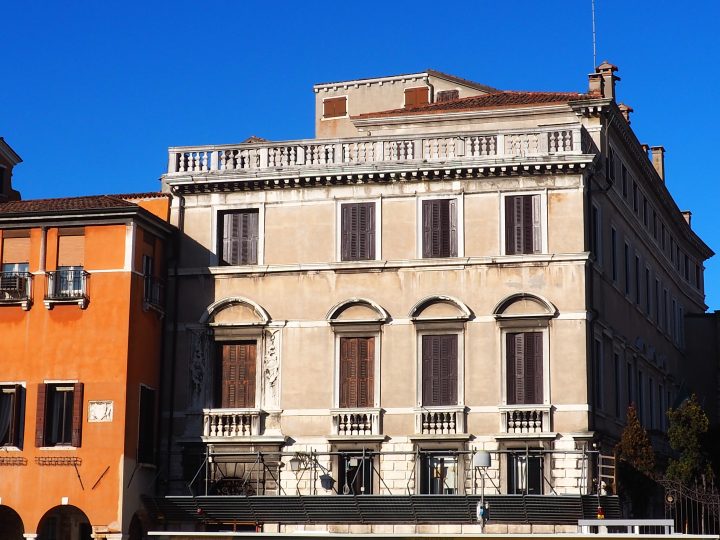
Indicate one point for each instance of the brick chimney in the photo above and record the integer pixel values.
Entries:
(625, 110)
(658, 160)
(595, 81)
(607, 71)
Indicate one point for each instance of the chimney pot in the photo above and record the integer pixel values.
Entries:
(658, 160)
(595, 85)
(625, 110)
(607, 72)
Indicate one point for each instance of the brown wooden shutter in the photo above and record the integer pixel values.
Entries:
(77, 415)
(539, 397)
(427, 379)
(366, 362)
(40, 415)
(71, 250)
(357, 222)
(519, 368)
(238, 375)
(344, 370)
(415, 97)
(335, 107)
(510, 368)
(439, 228)
(16, 250)
(439, 365)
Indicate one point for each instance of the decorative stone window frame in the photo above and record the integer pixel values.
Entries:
(460, 198)
(347, 328)
(215, 239)
(539, 321)
(232, 332)
(444, 325)
(543, 221)
(377, 201)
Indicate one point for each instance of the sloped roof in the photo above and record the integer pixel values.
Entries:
(488, 101)
(74, 204)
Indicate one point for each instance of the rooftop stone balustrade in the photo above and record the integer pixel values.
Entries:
(253, 158)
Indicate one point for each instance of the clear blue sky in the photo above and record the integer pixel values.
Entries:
(93, 93)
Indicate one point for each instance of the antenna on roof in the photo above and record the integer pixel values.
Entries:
(593, 35)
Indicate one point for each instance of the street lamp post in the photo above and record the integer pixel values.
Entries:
(481, 460)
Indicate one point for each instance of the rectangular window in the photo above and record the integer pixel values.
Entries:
(665, 311)
(614, 254)
(357, 372)
(440, 370)
(598, 374)
(71, 247)
(524, 368)
(438, 473)
(636, 201)
(523, 231)
(640, 400)
(686, 267)
(416, 97)
(698, 277)
(629, 383)
(439, 232)
(648, 296)
(611, 164)
(617, 371)
(146, 426)
(627, 269)
(239, 237)
(357, 223)
(59, 414)
(663, 236)
(655, 224)
(596, 235)
(11, 401)
(624, 182)
(335, 107)
(663, 406)
(237, 369)
(646, 214)
(147, 271)
(658, 287)
(673, 321)
(16, 246)
(651, 403)
(638, 288)
(355, 474)
(525, 474)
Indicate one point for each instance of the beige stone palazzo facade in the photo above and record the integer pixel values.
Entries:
(446, 268)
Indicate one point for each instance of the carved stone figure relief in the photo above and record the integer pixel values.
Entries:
(271, 371)
(199, 372)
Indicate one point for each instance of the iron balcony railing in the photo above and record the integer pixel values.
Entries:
(15, 287)
(71, 284)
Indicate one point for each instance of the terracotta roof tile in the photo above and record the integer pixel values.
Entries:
(487, 101)
(74, 204)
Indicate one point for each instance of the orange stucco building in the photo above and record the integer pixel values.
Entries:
(81, 312)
